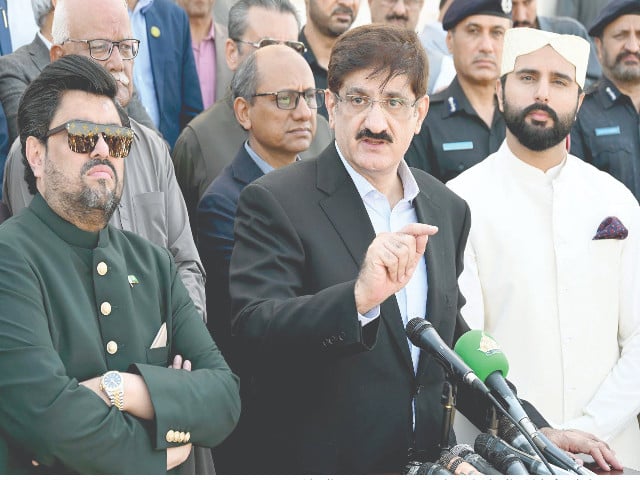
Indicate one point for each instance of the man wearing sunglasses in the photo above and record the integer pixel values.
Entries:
(211, 140)
(151, 205)
(276, 101)
(91, 315)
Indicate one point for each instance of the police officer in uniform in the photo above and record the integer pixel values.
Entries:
(607, 133)
(464, 125)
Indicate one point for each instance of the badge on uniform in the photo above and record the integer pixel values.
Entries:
(132, 280)
(605, 131)
(456, 146)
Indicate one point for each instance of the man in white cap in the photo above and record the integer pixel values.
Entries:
(552, 265)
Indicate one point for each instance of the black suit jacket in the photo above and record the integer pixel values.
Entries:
(326, 395)
(216, 216)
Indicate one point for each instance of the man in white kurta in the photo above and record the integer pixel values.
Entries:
(564, 307)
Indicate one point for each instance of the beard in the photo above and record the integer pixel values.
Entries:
(620, 71)
(95, 203)
(533, 135)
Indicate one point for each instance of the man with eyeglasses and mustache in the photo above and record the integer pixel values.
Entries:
(151, 205)
(606, 132)
(107, 366)
(552, 265)
(275, 100)
(332, 257)
(211, 141)
(326, 21)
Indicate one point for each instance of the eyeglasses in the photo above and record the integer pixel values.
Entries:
(265, 42)
(289, 99)
(101, 49)
(83, 137)
(397, 107)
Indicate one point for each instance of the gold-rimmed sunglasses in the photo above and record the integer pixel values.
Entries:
(83, 137)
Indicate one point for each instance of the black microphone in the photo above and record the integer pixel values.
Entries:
(457, 465)
(466, 451)
(533, 463)
(510, 433)
(486, 358)
(422, 334)
(426, 468)
(490, 448)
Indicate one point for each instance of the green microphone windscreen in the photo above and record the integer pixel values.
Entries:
(482, 353)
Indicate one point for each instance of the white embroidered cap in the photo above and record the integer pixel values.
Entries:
(520, 41)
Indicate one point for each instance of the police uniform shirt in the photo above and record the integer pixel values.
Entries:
(606, 134)
(453, 137)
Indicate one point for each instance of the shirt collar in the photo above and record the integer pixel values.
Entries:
(46, 42)
(142, 6)
(409, 184)
(262, 165)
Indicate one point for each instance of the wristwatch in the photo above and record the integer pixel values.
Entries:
(112, 384)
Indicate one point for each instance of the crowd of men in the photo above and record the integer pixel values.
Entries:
(218, 222)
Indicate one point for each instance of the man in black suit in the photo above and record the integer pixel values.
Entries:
(332, 257)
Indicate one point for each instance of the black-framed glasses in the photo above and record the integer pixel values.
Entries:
(289, 99)
(101, 49)
(83, 137)
(265, 42)
(395, 106)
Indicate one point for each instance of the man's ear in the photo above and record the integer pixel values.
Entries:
(331, 103)
(499, 94)
(232, 54)
(241, 108)
(56, 53)
(35, 151)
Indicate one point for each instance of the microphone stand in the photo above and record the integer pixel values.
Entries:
(448, 400)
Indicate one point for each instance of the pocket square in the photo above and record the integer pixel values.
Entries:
(161, 337)
(611, 228)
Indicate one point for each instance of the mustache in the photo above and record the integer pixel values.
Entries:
(393, 17)
(626, 53)
(342, 9)
(522, 23)
(98, 161)
(366, 133)
(121, 77)
(541, 107)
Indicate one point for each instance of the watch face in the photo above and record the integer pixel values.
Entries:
(112, 380)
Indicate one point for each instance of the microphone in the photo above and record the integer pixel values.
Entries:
(490, 448)
(422, 334)
(510, 433)
(466, 451)
(533, 463)
(456, 465)
(482, 353)
(426, 468)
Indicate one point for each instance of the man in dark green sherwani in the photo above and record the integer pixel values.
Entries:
(92, 316)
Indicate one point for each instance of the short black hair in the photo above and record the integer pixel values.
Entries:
(41, 99)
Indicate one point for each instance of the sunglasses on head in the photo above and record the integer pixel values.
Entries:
(265, 42)
(83, 137)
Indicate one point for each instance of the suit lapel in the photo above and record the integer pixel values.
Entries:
(157, 46)
(347, 213)
(244, 168)
(39, 53)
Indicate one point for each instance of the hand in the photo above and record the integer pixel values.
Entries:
(389, 264)
(177, 455)
(577, 441)
(179, 364)
(93, 384)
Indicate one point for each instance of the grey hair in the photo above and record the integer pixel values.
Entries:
(245, 79)
(239, 12)
(61, 15)
(41, 8)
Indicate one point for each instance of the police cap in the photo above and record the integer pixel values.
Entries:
(461, 9)
(610, 12)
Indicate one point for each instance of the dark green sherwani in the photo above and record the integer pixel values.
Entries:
(56, 330)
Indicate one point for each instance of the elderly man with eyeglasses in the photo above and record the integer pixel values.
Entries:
(275, 101)
(211, 140)
(107, 366)
(151, 204)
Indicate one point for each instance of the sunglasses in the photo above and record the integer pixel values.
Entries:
(265, 42)
(83, 137)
